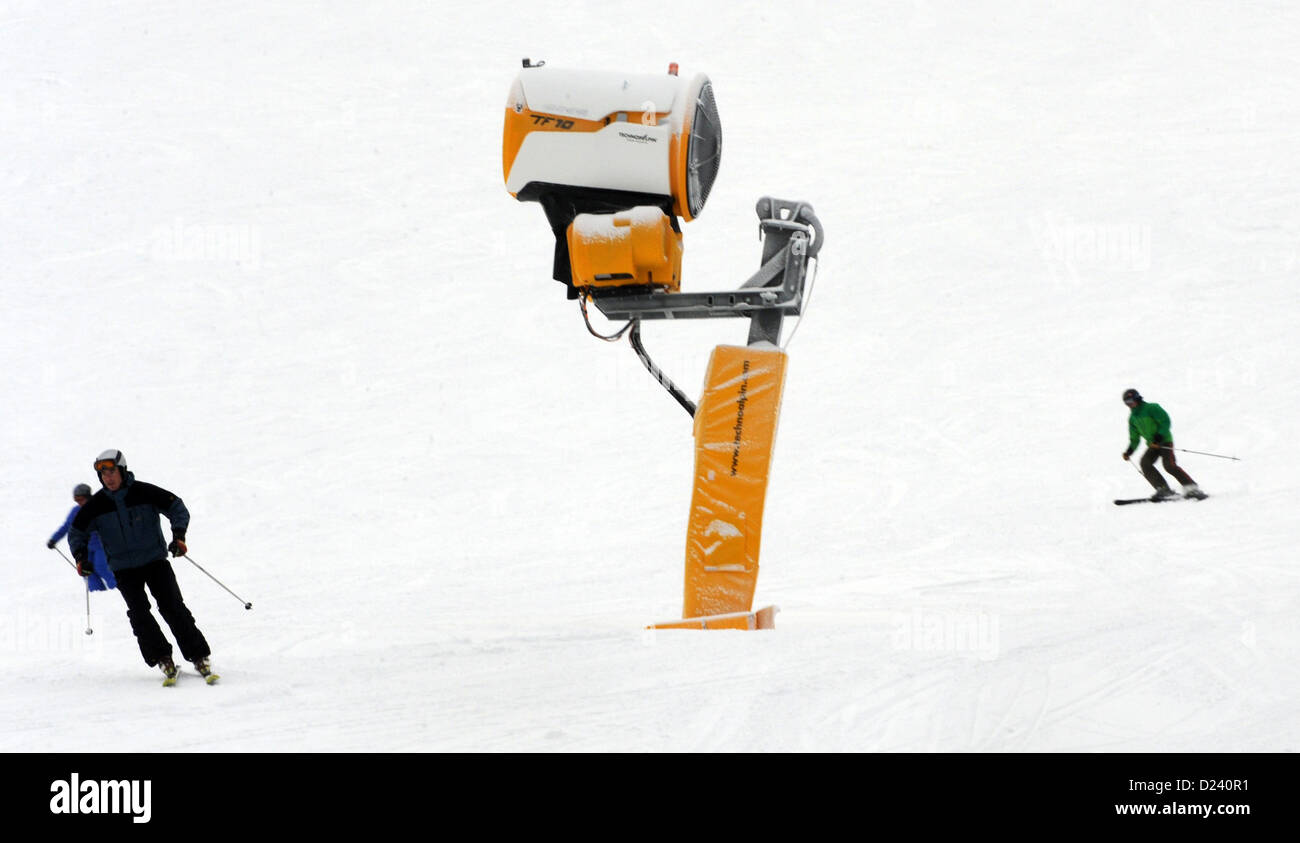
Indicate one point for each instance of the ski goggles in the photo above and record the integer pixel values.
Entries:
(104, 465)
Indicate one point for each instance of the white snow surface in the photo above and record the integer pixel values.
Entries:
(266, 251)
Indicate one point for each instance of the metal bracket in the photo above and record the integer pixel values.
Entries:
(791, 234)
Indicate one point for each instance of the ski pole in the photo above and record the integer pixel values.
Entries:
(1135, 466)
(1204, 454)
(89, 629)
(247, 605)
(65, 558)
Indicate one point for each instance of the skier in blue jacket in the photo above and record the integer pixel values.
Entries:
(125, 514)
(102, 578)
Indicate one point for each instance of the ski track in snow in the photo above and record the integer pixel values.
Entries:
(269, 256)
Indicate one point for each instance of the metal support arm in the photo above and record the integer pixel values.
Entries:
(791, 233)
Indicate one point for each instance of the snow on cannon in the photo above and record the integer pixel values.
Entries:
(616, 161)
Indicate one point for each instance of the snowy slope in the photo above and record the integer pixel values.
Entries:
(268, 254)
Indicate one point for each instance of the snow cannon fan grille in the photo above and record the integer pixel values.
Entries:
(704, 150)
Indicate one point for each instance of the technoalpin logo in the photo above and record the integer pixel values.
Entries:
(129, 796)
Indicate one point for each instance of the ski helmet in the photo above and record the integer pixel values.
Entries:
(110, 459)
(1132, 395)
(81, 491)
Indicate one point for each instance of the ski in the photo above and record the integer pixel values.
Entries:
(169, 679)
(1127, 501)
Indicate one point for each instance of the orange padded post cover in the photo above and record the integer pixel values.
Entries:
(735, 430)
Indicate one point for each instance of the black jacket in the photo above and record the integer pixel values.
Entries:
(127, 523)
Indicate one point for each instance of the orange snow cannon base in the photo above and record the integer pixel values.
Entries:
(762, 619)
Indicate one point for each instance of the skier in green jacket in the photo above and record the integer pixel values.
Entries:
(1150, 422)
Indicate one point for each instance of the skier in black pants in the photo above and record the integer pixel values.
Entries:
(125, 514)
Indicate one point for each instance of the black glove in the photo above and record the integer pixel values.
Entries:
(84, 568)
(1127, 454)
(51, 543)
(177, 547)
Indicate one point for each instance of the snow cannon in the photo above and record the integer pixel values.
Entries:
(602, 144)
(616, 160)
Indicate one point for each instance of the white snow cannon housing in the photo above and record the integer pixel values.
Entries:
(597, 145)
